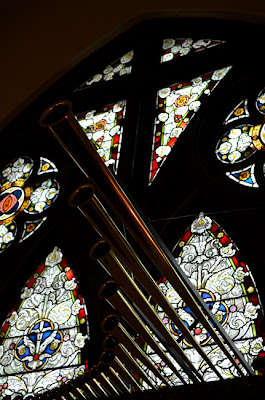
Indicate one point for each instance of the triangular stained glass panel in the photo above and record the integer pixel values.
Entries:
(244, 176)
(240, 111)
(30, 227)
(176, 106)
(44, 338)
(174, 48)
(104, 129)
(46, 166)
(119, 67)
(212, 262)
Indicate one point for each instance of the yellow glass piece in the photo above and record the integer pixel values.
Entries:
(239, 111)
(45, 167)
(21, 350)
(30, 227)
(244, 175)
(53, 345)
(250, 289)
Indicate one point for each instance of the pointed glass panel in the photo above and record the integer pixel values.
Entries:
(174, 48)
(46, 166)
(240, 111)
(30, 227)
(244, 176)
(212, 262)
(104, 129)
(236, 145)
(176, 106)
(119, 67)
(44, 338)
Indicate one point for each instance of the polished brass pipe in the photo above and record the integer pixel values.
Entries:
(112, 388)
(116, 364)
(101, 251)
(96, 374)
(114, 376)
(138, 326)
(100, 387)
(88, 390)
(80, 383)
(60, 119)
(109, 292)
(89, 382)
(122, 353)
(72, 389)
(83, 393)
(104, 369)
(123, 337)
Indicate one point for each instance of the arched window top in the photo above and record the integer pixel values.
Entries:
(43, 339)
(212, 262)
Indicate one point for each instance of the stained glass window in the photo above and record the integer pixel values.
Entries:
(44, 338)
(174, 48)
(176, 106)
(213, 264)
(16, 196)
(134, 137)
(104, 129)
(121, 66)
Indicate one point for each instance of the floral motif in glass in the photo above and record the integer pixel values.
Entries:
(104, 129)
(176, 106)
(119, 67)
(236, 145)
(174, 48)
(43, 339)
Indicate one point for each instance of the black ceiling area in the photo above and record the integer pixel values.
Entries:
(191, 180)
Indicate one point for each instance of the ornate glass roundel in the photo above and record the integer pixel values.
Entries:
(16, 196)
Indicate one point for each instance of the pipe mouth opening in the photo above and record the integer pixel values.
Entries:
(109, 323)
(102, 367)
(108, 289)
(107, 357)
(55, 113)
(110, 342)
(94, 372)
(99, 250)
(82, 195)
